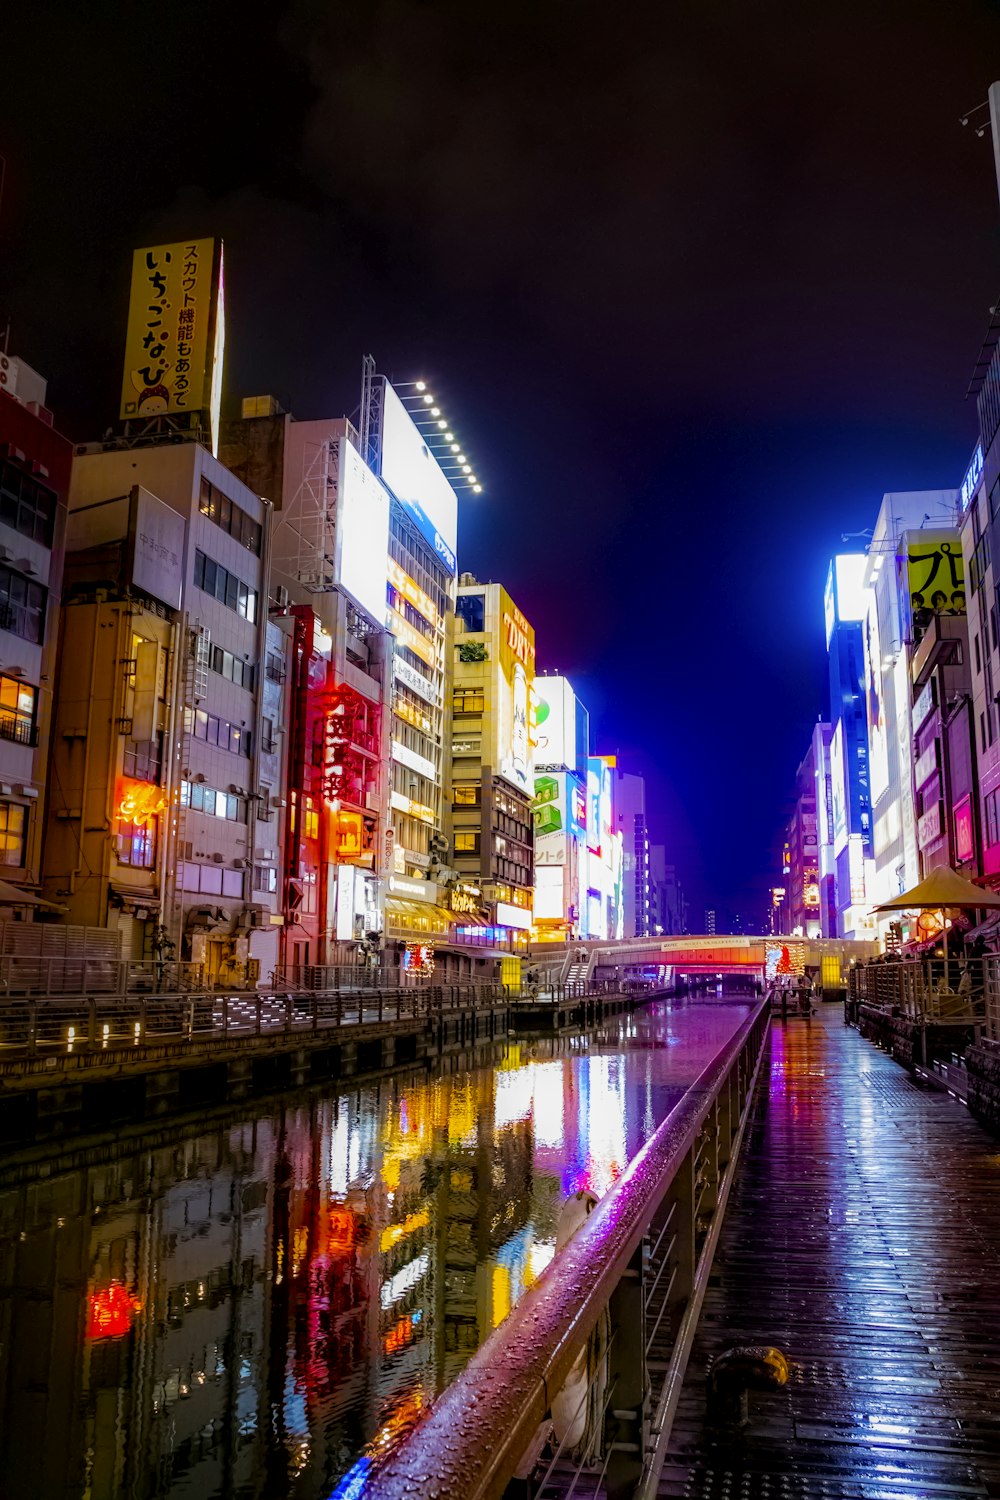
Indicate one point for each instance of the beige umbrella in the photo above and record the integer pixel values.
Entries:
(940, 889)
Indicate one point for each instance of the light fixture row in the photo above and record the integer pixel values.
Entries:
(428, 408)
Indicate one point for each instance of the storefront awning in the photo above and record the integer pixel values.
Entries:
(132, 897)
(419, 916)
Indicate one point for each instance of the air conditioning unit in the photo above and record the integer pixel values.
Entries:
(6, 554)
(237, 791)
(281, 598)
(27, 566)
(242, 864)
(200, 778)
(217, 858)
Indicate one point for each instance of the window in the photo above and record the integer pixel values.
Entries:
(472, 609)
(975, 647)
(144, 759)
(228, 516)
(18, 701)
(265, 878)
(215, 804)
(26, 504)
(13, 833)
(466, 843)
(210, 880)
(215, 731)
(993, 817)
(22, 605)
(469, 701)
(137, 844)
(233, 668)
(231, 591)
(466, 795)
(268, 744)
(274, 669)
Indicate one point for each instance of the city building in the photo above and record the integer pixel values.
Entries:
(979, 502)
(603, 910)
(562, 741)
(34, 480)
(669, 906)
(709, 922)
(802, 877)
(843, 783)
(637, 883)
(328, 579)
(164, 819)
(914, 563)
(492, 780)
(822, 739)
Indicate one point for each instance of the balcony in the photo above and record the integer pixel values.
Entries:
(940, 645)
(20, 731)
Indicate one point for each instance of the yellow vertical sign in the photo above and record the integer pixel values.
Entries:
(172, 314)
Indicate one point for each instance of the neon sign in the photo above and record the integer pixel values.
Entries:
(516, 628)
(139, 802)
(110, 1312)
(972, 477)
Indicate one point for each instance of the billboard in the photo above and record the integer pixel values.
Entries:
(555, 723)
(362, 541)
(875, 707)
(156, 545)
(935, 575)
(517, 674)
(838, 787)
(173, 354)
(414, 476)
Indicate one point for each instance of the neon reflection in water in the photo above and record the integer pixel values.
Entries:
(267, 1308)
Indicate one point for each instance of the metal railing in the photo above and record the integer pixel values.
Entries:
(915, 988)
(643, 1256)
(98, 1023)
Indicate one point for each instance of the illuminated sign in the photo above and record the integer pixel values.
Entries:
(139, 802)
(935, 575)
(415, 809)
(829, 607)
(965, 841)
(519, 636)
(411, 678)
(875, 706)
(414, 476)
(348, 835)
(413, 889)
(555, 723)
(413, 762)
(418, 958)
(409, 636)
(362, 539)
(838, 787)
(972, 477)
(173, 319)
(513, 916)
(405, 585)
(465, 899)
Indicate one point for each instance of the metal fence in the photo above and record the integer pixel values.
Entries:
(100, 1022)
(916, 989)
(625, 1293)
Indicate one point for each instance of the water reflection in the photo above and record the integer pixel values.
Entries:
(265, 1308)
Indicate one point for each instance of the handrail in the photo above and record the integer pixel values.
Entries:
(475, 1435)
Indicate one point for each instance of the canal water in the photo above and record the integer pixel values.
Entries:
(264, 1306)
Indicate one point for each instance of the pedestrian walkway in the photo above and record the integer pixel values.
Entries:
(863, 1239)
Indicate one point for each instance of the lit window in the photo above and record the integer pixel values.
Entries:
(17, 710)
(13, 829)
(137, 844)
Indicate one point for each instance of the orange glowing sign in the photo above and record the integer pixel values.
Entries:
(110, 1312)
(348, 835)
(139, 802)
(342, 1232)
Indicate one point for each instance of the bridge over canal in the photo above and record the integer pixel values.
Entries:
(626, 958)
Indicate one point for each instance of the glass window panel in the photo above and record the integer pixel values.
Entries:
(211, 880)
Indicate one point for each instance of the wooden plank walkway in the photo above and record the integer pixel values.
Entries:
(862, 1238)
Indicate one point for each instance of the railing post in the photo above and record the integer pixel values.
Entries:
(257, 1012)
(288, 1012)
(680, 1200)
(627, 1423)
(32, 1026)
(225, 1015)
(92, 1022)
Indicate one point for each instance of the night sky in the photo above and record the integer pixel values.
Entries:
(695, 283)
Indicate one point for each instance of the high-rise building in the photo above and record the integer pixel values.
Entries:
(803, 886)
(562, 739)
(669, 906)
(604, 913)
(492, 762)
(710, 921)
(822, 736)
(844, 792)
(914, 539)
(34, 480)
(637, 884)
(164, 823)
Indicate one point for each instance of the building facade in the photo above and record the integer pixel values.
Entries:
(492, 768)
(35, 463)
(637, 881)
(561, 811)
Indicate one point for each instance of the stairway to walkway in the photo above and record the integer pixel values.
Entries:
(863, 1239)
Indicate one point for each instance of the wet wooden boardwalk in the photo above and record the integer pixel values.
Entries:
(862, 1238)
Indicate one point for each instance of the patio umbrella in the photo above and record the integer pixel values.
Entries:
(940, 889)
